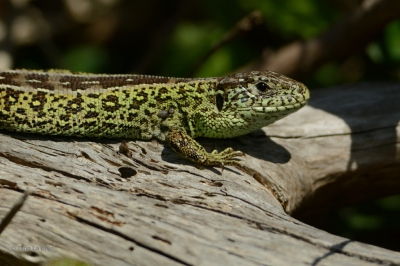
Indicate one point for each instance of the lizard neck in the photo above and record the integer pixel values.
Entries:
(232, 123)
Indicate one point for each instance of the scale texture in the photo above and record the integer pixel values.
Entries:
(145, 107)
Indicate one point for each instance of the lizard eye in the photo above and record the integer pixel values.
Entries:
(262, 86)
(219, 101)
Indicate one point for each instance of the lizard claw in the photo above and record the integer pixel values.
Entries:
(190, 149)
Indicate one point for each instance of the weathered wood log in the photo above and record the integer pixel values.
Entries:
(99, 202)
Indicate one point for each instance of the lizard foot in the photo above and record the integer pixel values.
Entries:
(190, 149)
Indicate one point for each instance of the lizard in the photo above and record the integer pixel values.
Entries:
(175, 110)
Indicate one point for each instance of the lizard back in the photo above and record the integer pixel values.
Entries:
(65, 103)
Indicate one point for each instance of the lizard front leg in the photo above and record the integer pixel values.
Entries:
(187, 147)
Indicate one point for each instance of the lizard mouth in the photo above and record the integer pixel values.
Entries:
(276, 103)
(273, 109)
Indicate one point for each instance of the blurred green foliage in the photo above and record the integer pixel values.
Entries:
(294, 19)
(90, 58)
(375, 222)
(392, 42)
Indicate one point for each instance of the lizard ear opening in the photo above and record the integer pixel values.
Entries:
(219, 100)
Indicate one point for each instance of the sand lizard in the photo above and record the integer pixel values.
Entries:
(144, 107)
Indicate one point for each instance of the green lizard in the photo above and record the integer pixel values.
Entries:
(144, 107)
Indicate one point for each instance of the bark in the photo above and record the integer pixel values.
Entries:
(99, 202)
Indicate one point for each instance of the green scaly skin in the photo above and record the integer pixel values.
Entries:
(144, 107)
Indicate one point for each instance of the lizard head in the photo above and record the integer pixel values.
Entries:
(256, 89)
(256, 99)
